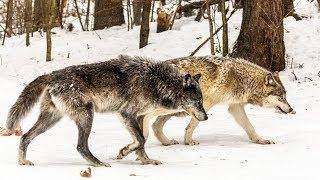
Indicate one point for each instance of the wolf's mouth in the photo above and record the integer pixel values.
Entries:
(282, 111)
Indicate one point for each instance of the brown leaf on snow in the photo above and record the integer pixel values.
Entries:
(86, 173)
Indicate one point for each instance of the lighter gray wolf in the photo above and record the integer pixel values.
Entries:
(232, 82)
(131, 87)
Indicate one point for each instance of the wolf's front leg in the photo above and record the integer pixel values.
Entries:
(189, 131)
(157, 127)
(131, 124)
(143, 157)
(239, 114)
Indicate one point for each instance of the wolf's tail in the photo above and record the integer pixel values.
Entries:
(27, 99)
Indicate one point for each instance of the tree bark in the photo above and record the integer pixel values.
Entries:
(144, 29)
(137, 7)
(163, 20)
(261, 36)
(108, 13)
(225, 40)
(9, 18)
(210, 28)
(28, 20)
(50, 17)
(39, 13)
(289, 10)
(87, 16)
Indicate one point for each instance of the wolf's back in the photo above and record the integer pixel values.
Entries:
(27, 99)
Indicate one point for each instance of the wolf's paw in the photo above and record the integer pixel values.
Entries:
(120, 156)
(5, 132)
(192, 143)
(171, 142)
(263, 141)
(151, 161)
(26, 163)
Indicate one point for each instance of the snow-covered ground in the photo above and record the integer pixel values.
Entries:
(224, 153)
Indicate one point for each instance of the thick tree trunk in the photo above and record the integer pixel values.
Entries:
(39, 14)
(137, 7)
(9, 18)
(144, 30)
(261, 37)
(163, 20)
(108, 13)
(289, 10)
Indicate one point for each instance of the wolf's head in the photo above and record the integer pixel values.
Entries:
(191, 99)
(274, 94)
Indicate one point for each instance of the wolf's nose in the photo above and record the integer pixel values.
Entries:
(290, 110)
(205, 117)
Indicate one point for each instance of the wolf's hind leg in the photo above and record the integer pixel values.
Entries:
(157, 127)
(47, 119)
(239, 114)
(83, 119)
(131, 124)
(189, 131)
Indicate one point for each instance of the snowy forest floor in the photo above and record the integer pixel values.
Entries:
(224, 151)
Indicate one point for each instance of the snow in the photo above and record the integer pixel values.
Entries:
(224, 151)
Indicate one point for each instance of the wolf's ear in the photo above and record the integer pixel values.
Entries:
(187, 80)
(197, 77)
(269, 80)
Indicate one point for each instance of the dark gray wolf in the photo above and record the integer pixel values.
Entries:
(130, 87)
(233, 82)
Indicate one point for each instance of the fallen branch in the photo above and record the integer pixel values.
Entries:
(204, 42)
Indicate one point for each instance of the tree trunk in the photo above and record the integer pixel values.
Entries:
(261, 36)
(28, 20)
(163, 20)
(108, 13)
(137, 6)
(225, 40)
(50, 17)
(87, 15)
(288, 8)
(144, 29)
(210, 27)
(9, 18)
(39, 13)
